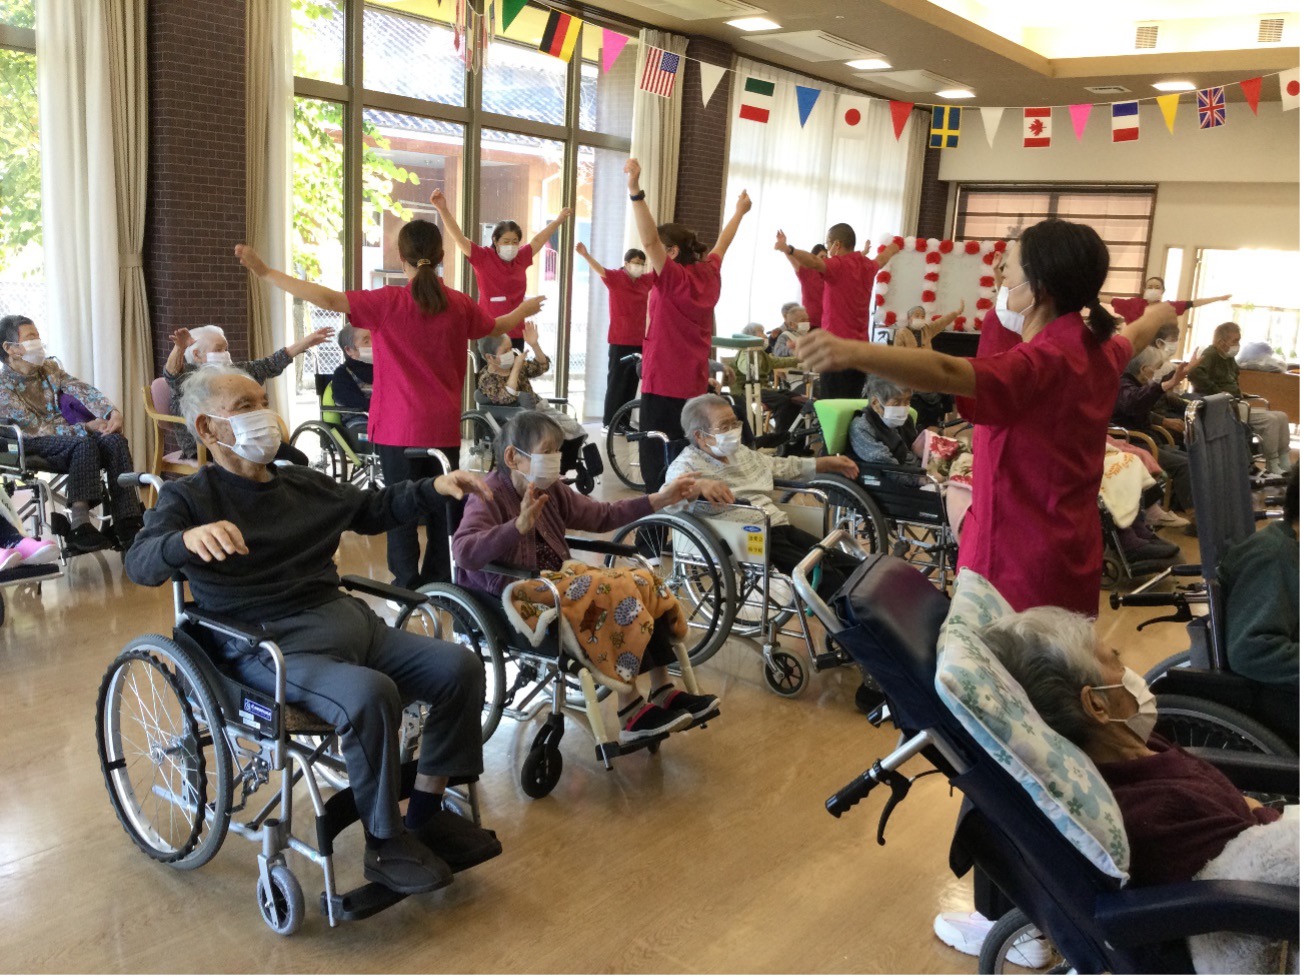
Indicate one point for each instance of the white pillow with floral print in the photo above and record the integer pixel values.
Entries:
(995, 710)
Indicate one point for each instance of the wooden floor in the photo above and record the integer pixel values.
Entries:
(714, 856)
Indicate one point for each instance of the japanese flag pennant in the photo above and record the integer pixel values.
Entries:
(852, 116)
(945, 131)
(758, 98)
(659, 71)
(1127, 119)
(1211, 104)
(1289, 89)
(1036, 128)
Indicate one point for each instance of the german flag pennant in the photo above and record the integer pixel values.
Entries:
(560, 35)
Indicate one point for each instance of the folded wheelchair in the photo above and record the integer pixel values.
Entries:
(1065, 874)
(184, 749)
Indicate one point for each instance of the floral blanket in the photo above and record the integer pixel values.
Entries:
(606, 617)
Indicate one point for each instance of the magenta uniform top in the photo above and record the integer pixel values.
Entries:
(1041, 410)
(501, 283)
(812, 294)
(1132, 309)
(680, 327)
(420, 364)
(627, 306)
(848, 288)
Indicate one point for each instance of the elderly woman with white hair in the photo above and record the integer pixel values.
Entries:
(1140, 393)
(505, 378)
(208, 346)
(796, 322)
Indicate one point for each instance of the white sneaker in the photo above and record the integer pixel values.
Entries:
(1167, 518)
(966, 931)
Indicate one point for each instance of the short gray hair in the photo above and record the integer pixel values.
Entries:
(881, 389)
(347, 337)
(696, 415)
(1151, 356)
(488, 345)
(788, 307)
(197, 391)
(525, 431)
(1051, 652)
(754, 329)
(199, 333)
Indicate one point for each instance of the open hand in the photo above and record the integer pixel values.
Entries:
(744, 203)
(714, 490)
(565, 214)
(456, 484)
(215, 541)
(683, 487)
(781, 241)
(821, 351)
(531, 504)
(181, 339)
(318, 336)
(532, 305)
(530, 333)
(839, 465)
(250, 259)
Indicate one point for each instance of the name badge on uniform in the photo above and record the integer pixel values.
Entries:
(498, 298)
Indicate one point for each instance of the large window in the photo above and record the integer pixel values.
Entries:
(1265, 303)
(1121, 215)
(525, 136)
(21, 257)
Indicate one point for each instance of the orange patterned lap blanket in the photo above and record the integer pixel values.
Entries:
(607, 615)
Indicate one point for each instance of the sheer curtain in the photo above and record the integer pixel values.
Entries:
(803, 179)
(654, 141)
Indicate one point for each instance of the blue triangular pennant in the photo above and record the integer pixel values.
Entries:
(806, 98)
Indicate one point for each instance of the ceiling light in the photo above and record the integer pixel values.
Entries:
(753, 24)
(868, 64)
(1174, 86)
(954, 93)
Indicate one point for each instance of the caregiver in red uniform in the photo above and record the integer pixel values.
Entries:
(1041, 401)
(627, 291)
(1133, 307)
(500, 270)
(812, 286)
(681, 320)
(419, 332)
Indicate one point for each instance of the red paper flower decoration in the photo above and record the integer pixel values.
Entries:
(889, 319)
(921, 244)
(884, 277)
(881, 248)
(928, 296)
(932, 258)
(987, 281)
(899, 241)
(932, 276)
(978, 323)
(989, 257)
(983, 304)
(960, 322)
(999, 246)
(946, 247)
(971, 247)
(880, 299)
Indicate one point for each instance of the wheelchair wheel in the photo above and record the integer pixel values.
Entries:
(851, 508)
(477, 443)
(451, 614)
(163, 753)
(621, 453)
(541, 771)
(1007, 948)
(787, 676)
(316, 440)
(696, 569)
(281, 906)
(1180, 660)
(1188, 721)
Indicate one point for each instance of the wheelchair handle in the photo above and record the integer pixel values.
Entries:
(140, 480)
(801, 581)
(1146, 600)
(644, 435)
(434, 453)
(882, 772)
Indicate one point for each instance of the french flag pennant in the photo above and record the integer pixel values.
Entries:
(1126, 117)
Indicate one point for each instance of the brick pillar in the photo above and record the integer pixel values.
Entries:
(703, 149)
(196, 207)
(932, 197)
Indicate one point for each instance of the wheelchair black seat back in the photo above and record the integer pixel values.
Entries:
(581, 459)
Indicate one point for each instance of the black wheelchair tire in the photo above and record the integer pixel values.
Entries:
(869, 529)
(282, 907)
(480, 434)
(788, 677)
(1180, 660)
(621, 422)
(316, 440)
(996, 947)
(541, 771)
(1188, 721)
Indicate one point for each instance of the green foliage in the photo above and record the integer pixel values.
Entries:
(20, 149)
(18, 13)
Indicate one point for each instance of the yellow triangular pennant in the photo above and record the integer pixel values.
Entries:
(1168, 106)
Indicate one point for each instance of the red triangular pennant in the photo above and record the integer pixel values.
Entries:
(900, 113)
(1251, 89)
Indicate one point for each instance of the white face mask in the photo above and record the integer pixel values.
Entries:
(801, 328)
(635, 271)
(33, 351)
(257, 435)
(1169, 349)
(218, 359)
(1153, 294)
(365, 354)
(917, 322)
(1231, 351)
(727, 443)
(1147, 712)
(545, 468)
(1012, 321)
(895, 416)
(506, 360)
(508, 251)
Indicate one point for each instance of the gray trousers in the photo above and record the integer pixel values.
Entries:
(1273, 429)
(344, 664)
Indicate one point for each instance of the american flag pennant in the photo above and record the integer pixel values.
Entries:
(660, 68)
(1211, 104)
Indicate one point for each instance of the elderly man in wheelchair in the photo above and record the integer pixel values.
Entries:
(257, 545)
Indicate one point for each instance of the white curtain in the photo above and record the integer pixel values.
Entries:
(654, 141)
(79, 198)
(269, 105)
(804, 179)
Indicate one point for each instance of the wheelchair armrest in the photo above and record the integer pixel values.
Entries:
(603, 546)
(250, 634)
(365, 585)
(1259, 772)
(875, 468)
(502, 570)
(1158, 913)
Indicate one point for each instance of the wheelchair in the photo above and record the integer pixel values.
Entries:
(890, 619)
(1201, 701)
(332, 446)
(184, 748)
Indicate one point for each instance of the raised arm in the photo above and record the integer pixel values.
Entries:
(506, 323)
(1141, 331)
(918, 369)
(176, 361)
(796, 256)
(1196, 303)
(583, 252)
(643, 219)
(451, 227)
(540, 239)
(937, 326)
(310, 292)
(887, 254)
(730, 229)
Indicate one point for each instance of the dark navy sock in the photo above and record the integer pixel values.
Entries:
(421, 805)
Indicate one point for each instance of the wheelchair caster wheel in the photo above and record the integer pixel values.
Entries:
(785, 676)
(282, 907)
(541, 771)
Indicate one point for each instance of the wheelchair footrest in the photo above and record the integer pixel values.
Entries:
(830, 659)
(606, 752)
(364, 901)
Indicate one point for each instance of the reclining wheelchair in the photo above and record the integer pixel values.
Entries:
(178, 740)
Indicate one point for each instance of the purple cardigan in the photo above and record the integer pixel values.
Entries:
(488, 531)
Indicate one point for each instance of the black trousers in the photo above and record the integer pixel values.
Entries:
(622, 380)
(83, 458)
(657, 413)
(842, 385)
(790, 545)
(403, 544)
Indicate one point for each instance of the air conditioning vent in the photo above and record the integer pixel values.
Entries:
(814, 46)
(916, 82)
(1270, 29)
(1108, 89)
(1147, 37)
(701, 9)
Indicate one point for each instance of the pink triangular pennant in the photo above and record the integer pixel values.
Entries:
(1079, 114)
(900, 115)
(612, 44)
(1251, 89)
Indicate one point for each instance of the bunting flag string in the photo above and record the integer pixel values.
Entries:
(900, 116)
(1078, 115)
(710, 76)
(991, 122)
(613, 42)
(1251, 87)
(806, 99)
(1126, 121)
(1037, 124)
(1168, 106)
(560, 35)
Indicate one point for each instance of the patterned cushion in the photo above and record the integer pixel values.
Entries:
(995, 710)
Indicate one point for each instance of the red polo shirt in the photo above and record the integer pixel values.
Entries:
(812, 294)
(627, 306)
(848, 288)
(501, 283)
(420, 364)
(680, 327)
(1132, 309)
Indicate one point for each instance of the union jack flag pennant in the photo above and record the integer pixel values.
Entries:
(1211, 103)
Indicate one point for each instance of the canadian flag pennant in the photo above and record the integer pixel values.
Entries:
(710, 75)
(1078, 115)
(1252, 87)
(1289, 89)
(900, 116)
(1036, 128)
(852, 116)
(991, 122)
(1126, 121)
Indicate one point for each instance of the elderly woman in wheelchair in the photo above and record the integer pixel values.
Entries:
(505, 379)
(256, 544)
(522, 523)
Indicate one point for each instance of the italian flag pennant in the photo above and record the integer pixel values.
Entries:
(758, 99)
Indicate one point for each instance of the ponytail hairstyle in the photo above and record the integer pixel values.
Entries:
(1067, 263)
(685, 239)
(503, 227)
(421, 245)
